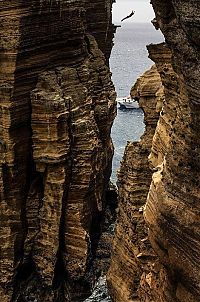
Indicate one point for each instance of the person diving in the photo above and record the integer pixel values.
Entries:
(129, 16)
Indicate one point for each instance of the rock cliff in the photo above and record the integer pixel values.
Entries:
(172, 210)
(56, 112)
(131, 248)
(170, 271)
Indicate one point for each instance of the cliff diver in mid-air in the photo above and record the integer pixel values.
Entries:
(129, 16)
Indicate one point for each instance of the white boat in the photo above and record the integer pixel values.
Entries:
(127, 103)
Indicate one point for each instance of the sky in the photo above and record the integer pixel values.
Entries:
(143, 11)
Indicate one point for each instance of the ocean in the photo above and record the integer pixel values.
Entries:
(129, 60)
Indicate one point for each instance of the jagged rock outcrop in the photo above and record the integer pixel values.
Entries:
(99, 20)
(172, 273)
(155, 282)
(131, 249)
(172, 210)
(56, 112)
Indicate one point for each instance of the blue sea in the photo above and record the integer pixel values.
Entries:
(129, 60)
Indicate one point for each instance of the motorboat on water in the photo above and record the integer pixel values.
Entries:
(127, 103)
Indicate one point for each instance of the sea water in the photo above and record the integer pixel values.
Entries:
(129, 60)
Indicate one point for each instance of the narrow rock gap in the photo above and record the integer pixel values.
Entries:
(57, 214)
(129, 45)
(138, 115)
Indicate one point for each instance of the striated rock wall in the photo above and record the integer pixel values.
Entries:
(57, 108)
(171, 271)
(131, 248)
(172, 210)
(99, 24)
(155, 283)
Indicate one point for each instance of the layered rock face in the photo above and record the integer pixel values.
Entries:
(57, 108)
(99, 20)
(131, 249)
(172, 210)
(171, 272)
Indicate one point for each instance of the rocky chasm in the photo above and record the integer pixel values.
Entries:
(56, 111)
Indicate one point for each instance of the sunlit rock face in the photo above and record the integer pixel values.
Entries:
(131, 249)
(56, 112)
(172, 210)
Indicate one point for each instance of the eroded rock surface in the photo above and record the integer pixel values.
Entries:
(171, 272)
(172, 210)
(57, 108)
(131, 248)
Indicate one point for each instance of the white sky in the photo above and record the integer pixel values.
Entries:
(143, 11)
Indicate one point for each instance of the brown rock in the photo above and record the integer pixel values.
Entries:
(131, 248)
(57, 108)
(172, 208)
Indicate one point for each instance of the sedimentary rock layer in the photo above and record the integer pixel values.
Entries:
(57, 108)
(172, 273)
(155, 282)
(99, 24)
(172, 210)
(131, 248)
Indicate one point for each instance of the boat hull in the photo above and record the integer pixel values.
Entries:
(128, 105)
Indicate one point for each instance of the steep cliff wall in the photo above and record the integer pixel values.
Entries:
(155, 284)
(57, 108)
(99, 24)
(172, 210)
(171, 272)
(131, 249)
